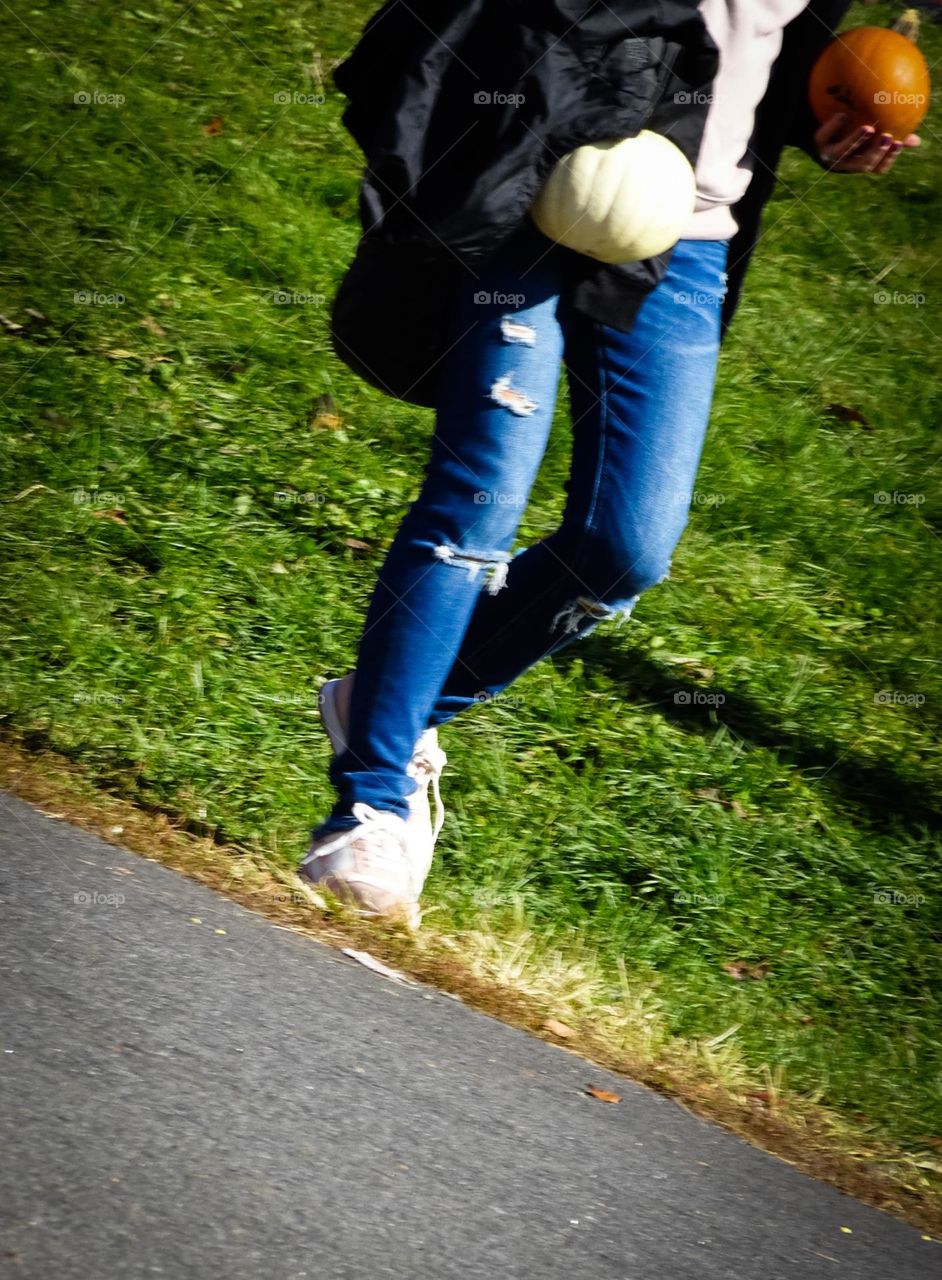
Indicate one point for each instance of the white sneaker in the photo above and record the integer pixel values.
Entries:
(426, 765)
(368, 865)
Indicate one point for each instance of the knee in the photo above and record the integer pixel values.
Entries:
(622, 567)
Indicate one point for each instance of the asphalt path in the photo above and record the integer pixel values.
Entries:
(187, 1090)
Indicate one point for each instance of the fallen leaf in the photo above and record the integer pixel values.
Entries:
(278, 567)
(740, 969)
(603, 1095)
(844, 413)
(109, 513)
(356, 544)
(24, 493)
(558, 1028)
(760, 1095)
(691, 667)
(324, 415)
(214, 127)
(326, 422)
(121, 353)
(370, 962)
(10, 325)
(151, 325)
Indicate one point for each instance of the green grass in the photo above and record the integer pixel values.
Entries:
(168, 615)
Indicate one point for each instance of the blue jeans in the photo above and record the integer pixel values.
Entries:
(454, 616)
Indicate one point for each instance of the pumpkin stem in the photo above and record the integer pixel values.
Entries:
(907, 24)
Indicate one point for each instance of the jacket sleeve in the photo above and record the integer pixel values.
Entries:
(803, 41)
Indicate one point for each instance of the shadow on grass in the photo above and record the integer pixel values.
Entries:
(881, 791)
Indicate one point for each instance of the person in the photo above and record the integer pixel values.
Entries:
(455, 616)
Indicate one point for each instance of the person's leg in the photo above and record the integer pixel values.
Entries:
(498, 393)
(640, 405)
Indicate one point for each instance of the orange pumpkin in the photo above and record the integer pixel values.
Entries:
(875, 75)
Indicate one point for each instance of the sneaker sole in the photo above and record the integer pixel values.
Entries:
(407, 913)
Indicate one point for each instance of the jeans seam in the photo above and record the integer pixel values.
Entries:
(588, 526)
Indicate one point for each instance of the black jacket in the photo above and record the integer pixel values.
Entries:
(463, 108)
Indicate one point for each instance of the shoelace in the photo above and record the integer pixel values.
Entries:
(378, 822)
(431, 760)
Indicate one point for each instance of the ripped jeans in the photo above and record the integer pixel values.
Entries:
(455, 616)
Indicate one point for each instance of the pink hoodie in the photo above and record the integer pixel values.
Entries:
(749, 36)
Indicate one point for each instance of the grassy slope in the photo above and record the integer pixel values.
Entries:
(169, 615)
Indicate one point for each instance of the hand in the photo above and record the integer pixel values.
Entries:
(849, 148)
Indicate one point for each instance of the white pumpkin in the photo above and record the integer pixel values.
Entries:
(618, 200)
